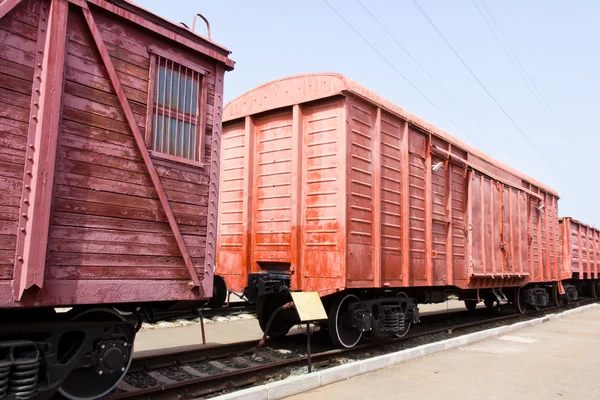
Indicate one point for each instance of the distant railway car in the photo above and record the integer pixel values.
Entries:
(581, 255)
(328, 187)
(110, 125)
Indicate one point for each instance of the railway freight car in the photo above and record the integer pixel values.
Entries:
(110, 125)
(581, 255)
(328, 187)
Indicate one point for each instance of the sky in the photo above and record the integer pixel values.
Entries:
(552, 137)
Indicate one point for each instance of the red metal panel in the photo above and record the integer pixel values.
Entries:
(362, 121)
(38, 179)
(141, 145)
(391, 201)
(235, 195)
(421, 208)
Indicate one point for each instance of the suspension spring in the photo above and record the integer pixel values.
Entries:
(4, 375)
(23, 379)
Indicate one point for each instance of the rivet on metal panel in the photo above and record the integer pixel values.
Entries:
(191, 284)
(26, 201)
(29, 173)
(30, 158)
(24, 215)
(39, 64)
(23, 230)
(31, 146)
(34, 118)
(37, 105)
(20, 259)
(40, 51)
(27, 187)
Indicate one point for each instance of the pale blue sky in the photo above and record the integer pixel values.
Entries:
(556, 41)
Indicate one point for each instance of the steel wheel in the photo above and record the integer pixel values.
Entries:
(471, 304)
(86, 383)
(519, 301)
(595, 290)
(489, 303)
(341, 333)
(406, 327)
(266, 307)
(556, 296)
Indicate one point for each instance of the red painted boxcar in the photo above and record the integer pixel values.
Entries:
(110, 124)
(328, 187)
(581, 255)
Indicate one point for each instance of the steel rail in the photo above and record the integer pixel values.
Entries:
(251, 375)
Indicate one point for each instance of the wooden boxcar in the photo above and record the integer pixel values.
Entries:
(110, 125)
(581, 255)
(328, 187)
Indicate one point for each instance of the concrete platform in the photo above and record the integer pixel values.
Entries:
(554, 360)
(183, 338)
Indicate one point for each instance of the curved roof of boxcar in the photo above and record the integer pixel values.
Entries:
(303, 88)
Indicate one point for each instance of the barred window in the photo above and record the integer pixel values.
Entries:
(177, 112)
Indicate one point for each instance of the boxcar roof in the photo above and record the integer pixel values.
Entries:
(215, 50)
(299, 89)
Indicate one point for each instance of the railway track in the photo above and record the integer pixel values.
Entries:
(211, 371)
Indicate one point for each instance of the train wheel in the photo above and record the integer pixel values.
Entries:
(91, 382)
(489, 303)
(266, 307)
(519, 301)
(219, 293)
(556, 297)
(595, 292)
(341, 333)
(403, 332)
(471, 304)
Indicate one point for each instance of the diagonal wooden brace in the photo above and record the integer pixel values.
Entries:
(7, 6)
(141, 144)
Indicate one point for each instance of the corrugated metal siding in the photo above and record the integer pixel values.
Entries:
(581, 249)
(391, 199)
(361, 120)
(323, 211)
(272, 187)
(232, 233)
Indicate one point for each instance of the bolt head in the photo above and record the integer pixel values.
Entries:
(103, 347)
(123, 369)
(100, 372)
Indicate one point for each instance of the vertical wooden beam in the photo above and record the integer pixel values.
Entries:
(493, 222)
(501, 222)
(579, 256)
(520, 231)
(297, 196)
(540, 246)
(248, 204)
(482, 211)
(404, 211)
(428, 212)
(469, 225)
(376, 151)
(214, 168)
(450, 225)
(588, 251)
(7, 6)
(44, 124)
(511, 230)
(141, 144)
(594, 246)
(530, 235)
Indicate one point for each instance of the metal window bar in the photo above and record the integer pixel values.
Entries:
(176, 114)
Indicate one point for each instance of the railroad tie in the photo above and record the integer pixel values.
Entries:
(161, 378)
(221, 366)
(245, 361)
(193, 371)
(126, 387)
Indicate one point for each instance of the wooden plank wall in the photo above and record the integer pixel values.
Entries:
(18, 44)
(107, 220)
